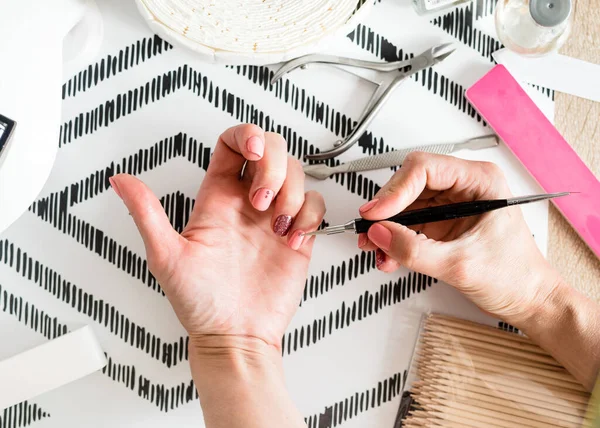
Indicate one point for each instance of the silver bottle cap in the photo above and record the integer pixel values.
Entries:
(550, 13)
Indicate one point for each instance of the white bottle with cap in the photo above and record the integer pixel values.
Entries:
(533, 27)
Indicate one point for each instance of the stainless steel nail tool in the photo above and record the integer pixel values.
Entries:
(396, 157)
(437, 213)
(389, 76)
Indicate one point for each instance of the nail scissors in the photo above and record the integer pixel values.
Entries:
(389, 75)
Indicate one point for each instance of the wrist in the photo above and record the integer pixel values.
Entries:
(549, 307)
(240, 383)
(542, 300)
(236, 357)
(567, 326)
(228, 350)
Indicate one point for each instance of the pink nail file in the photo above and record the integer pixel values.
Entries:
(506, 107)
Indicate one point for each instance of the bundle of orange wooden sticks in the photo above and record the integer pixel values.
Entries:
(471, 375)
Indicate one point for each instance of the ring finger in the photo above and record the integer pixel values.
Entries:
(290, 198)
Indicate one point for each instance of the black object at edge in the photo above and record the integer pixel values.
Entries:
(405, 404)
(7, 132)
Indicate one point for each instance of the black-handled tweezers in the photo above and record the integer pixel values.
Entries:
(439, 213)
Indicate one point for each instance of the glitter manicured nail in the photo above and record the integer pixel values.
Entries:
(362, 240)
(379, 258)
(282, 225)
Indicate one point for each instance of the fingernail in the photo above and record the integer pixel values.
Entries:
(262, 199)
(366, 207)
(297, 239)
(115, 187)
(380, 236)
(282, 225)
(255, 146)
(362, 240)
(379, 258)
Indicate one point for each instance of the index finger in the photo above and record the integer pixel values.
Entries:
(460, 179)
(236, 145)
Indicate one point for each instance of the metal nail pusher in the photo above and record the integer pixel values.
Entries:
(396, 157)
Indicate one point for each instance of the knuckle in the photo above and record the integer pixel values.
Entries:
(496, 179)
(460, 272)
(317, 210)
(459, 267)
(295, 200)
(492, 170)
(312, 219)
(410, 177)
(415, 158)
(392, 186)
(274, 174)
(248, 128)
(241, 134)
(397, 189)
(317, 199)
(275, 138)
(315, 196)
(316, 218)
(408, 256)
(389, 191)
(295, 165)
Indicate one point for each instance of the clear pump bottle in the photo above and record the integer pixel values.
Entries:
(533, 27)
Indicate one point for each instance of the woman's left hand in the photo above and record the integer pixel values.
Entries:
(231, 273)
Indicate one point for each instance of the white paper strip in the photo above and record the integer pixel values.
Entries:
(49, 366)
(559, 72)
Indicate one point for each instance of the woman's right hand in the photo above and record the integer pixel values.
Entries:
(492, 258)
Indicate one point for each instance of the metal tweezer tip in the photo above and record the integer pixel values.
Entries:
(536, 198)
(316, 232)
(334, 230)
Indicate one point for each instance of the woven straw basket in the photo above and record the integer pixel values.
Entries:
(252, 31)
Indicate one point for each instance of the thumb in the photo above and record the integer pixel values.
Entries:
(162, 242)
(410, 249)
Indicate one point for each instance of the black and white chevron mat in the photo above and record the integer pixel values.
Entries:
(149, 109)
